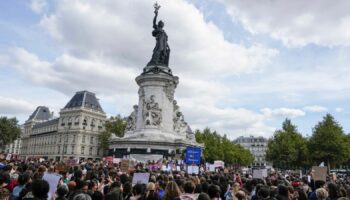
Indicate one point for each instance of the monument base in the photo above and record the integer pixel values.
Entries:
(126, 147)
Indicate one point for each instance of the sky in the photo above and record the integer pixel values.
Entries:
(244, 66)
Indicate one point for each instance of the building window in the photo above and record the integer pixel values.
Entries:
(76, 120)
(85, 122)
(100, 125)
(90, 151)
(62, 122)
(72, 152)
(91, 140)
(83, 140)
(67, 136)
(65, 149)
(73, 139)
(59, 149)
(60, 138)
(70, 121)
(82, 150)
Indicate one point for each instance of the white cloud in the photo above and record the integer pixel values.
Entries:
(69, 74)
(339, 110)
(295, 23)
(231, 121)
(282, 112)
(315, 108)
(38, 6)
(106, 44)
(196, 97)
(198, 48)
(11, 106)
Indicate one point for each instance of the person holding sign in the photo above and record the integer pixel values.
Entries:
(137, 192)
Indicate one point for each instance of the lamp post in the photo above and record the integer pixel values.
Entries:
(64, 141)
(34, 148)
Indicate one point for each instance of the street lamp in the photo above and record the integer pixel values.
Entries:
(64, 141)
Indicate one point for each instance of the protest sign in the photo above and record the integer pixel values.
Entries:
(207, 166)
(116, 160)
(124, 166)
(108, 159)
(142, 178)
(178, 168)
(192, 169)
(8, 157)
(193, 155)
(259, 173)
(52, 179)
(212, 168)
(164, 168)
(219, 163)
(72, 162)
(320, 173)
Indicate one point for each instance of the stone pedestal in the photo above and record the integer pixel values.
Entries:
(156, 126)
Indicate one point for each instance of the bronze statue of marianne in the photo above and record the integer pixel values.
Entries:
(161, 51)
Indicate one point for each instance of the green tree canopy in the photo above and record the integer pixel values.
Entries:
(217, 147)
(287, 148)
(329, 143)
(9, 130)
(114, 125)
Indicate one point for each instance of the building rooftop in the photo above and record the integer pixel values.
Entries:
(250, 139)
(41, 113)
(47, 123)
(84, 99)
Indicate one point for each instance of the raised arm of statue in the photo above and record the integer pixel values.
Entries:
(155, 19)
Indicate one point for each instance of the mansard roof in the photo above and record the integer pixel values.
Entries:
(41, 113)
(47, 123)
(84, 99)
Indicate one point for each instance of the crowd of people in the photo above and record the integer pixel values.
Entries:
(106, 181)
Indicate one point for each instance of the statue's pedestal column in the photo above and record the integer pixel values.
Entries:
(155, 108)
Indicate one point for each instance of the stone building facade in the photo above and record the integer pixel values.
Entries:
(257, 146)
(15, 147)
(74, 134)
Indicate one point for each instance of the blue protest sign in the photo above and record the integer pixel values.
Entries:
(193, 155)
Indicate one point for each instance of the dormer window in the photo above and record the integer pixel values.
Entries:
(85, 122)
(62, 122)
(100, 125)
(76, 122)
(70, 121)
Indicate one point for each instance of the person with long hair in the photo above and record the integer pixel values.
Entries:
(151, 192)
(172, 191)
(332, 191)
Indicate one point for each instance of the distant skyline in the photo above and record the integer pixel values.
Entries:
(244, 66)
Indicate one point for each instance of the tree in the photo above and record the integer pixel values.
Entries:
(287, 148)
(217, 147)
(9, 130)
(115, 125)
(329, 143)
